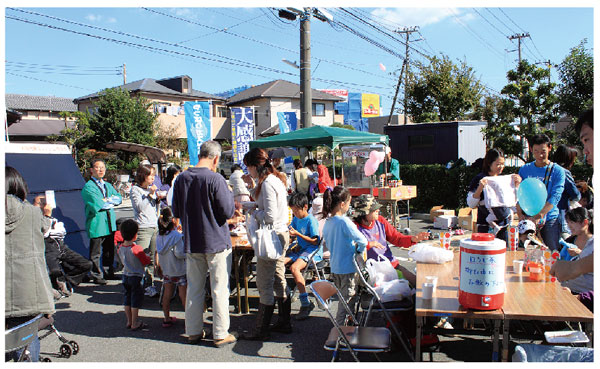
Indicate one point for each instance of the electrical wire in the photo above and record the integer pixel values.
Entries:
(500, 20)
(490, 23)
(479, 38)
(512, 21)
(43, 80)
(154, 49)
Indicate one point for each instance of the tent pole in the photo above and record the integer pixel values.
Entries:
(333, 155)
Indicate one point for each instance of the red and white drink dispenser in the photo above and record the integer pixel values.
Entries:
(482, 266)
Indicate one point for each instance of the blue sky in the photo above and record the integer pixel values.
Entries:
(72, 65)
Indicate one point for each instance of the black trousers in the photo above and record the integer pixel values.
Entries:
(64, 263)
(105, 247)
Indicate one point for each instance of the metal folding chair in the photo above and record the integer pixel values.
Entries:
(370, 301)
(21, 336)
(349, 338)
(312, 266)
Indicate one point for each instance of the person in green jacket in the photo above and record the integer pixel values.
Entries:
(393, 169)
(99, 198)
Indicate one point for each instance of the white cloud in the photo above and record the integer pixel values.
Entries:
(93, 17)
(413, 16)
(112, 20)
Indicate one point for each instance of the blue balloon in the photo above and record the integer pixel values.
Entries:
(532, 196)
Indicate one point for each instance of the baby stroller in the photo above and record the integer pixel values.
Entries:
(19, 338)
(67, 348)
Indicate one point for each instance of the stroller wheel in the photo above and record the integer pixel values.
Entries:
(65, 351)
(74, 346)
(46, 360)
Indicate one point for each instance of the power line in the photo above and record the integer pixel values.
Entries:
(479, 38)
(43, 80)
(341, 64)
(62, 67)
(490, 23)
(221, 30)
(512, 21)
(500, 20)
(154, 49)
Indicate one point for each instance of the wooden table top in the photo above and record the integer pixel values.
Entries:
(240, 243)
(445, 297)
(549, 301)
(524, 299)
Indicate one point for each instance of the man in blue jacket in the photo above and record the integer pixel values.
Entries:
(553, 177)
(203, 202)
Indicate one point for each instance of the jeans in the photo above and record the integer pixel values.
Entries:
(551, 233)
(218, 267)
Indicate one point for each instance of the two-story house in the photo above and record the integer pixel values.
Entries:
(167, 97)
(38, 116)
(282, 96)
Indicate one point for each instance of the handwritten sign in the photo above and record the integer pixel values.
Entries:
(482, 274)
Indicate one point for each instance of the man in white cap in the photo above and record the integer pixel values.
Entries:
(393, 170)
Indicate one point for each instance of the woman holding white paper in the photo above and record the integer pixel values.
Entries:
(497, 217)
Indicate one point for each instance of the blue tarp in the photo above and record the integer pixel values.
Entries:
(352, 112)
(56, 172)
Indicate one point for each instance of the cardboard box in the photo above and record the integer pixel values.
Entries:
(443, 212)
(467, 218)
(397, 193)
(445, 221)
(432, 212)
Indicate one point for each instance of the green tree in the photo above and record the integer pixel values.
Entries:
(527, 98)
(121, 117)
(576, 87)
(342, 125)
(442, 91)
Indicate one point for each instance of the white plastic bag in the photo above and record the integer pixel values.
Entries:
(394, 290)
(424, 253)
(268, 245)
(380, 270)
(251, 228)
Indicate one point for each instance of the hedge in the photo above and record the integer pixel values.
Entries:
(437, 185)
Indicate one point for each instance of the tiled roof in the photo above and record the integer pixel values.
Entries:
(41, 103)
(150, 85)
(277, 88)
(34, 127)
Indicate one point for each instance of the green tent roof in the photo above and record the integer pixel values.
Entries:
(319, 136)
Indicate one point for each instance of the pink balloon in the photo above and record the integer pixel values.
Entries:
(382, 67)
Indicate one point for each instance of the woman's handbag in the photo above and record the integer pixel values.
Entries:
(264, 240)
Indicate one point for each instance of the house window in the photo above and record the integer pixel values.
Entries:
(161, 107)
(222, 112)
(185, 85)
(420, 141)
(318, 110)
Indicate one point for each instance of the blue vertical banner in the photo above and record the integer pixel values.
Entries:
(288, 121)
(242, 132)
(197, 123)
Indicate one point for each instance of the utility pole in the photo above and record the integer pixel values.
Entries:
(519, 36)
(396, 94)
(124, 74)
(305, 89)
(407, 31)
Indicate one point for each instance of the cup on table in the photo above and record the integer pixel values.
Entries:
(432, 279)
(427, 291)
(518, 266)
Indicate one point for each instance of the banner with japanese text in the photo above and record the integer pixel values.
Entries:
(197, 123)
(370, 105)
(242, 132)
(288, 121)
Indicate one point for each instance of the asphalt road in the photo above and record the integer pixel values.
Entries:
(93, 317)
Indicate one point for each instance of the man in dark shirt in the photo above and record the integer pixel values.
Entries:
(203, 203)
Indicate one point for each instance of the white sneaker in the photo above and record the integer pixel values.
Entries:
(150, 291)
